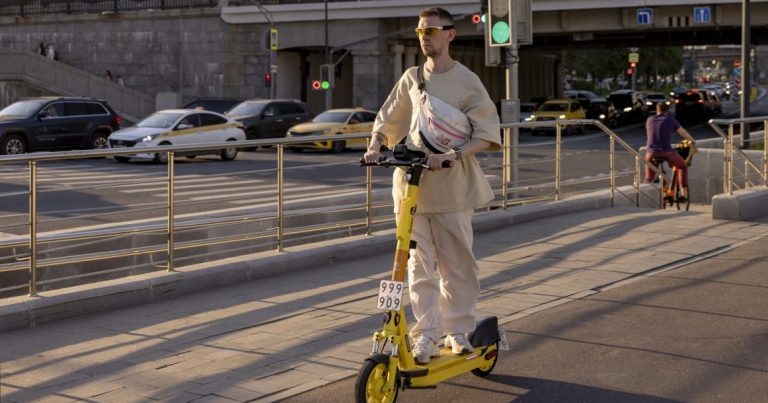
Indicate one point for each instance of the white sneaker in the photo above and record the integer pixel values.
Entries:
(458, 343)
(424, 348)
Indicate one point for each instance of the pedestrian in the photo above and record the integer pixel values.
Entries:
(109, 75)
(659, 129)
(43, 49)
(120, 81)
(50, 52)
(442, 270)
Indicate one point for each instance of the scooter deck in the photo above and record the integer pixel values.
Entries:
(447, 365)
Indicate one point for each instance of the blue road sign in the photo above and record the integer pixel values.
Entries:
(644, 16)
(702, 15)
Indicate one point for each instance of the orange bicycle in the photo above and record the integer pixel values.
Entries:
(673, 190)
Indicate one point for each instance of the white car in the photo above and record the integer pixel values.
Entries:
(179, 127)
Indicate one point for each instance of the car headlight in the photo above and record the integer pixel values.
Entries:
(602, 116)
(529, 119)
(649, 103)
(148, 138)
(628, 109)
(561, 117)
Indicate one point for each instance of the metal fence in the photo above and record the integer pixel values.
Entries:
(755, 170)
(46, 260)
(30, 7)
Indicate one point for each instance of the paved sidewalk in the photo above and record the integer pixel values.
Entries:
(279, 336)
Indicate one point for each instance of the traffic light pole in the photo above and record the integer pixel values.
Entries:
(329, 91)
(512, 135)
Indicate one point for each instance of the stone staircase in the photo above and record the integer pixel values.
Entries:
(51, 77)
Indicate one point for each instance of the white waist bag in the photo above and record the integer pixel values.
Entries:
(442, 127)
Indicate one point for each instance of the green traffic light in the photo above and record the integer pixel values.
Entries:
(500, 32)
(325, 85)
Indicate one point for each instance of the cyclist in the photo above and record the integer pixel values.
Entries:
(659, 129)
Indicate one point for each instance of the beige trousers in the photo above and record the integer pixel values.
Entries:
(442, 274)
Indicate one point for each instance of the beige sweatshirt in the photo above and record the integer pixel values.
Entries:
(462, 186)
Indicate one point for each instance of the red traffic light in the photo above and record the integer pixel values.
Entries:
(630, 71)
(476, 18)
(633, 65)
(268, 79)
(316, 84)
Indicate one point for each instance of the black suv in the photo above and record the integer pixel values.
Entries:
(270, 118)
(56, 123)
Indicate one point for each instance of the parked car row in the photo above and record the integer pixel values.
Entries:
(63, 123)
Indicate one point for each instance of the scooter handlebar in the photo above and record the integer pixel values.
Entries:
(385, 162)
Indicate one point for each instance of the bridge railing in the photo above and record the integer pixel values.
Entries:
(755, 170)
(29, 7)
(172, 235)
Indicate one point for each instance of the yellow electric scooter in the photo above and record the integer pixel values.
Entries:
(392, 366)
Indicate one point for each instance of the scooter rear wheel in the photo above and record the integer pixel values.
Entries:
(486, 369)
(371, 382)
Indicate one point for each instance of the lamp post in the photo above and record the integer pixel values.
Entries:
(746, 83)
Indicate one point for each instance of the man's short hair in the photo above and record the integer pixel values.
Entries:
(441, 13)
(662, 107)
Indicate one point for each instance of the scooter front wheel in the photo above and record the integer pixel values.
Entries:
(372, 386)
(489, 364)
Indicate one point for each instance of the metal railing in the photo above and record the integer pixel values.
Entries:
(732, 176)
(25, 252)
(29, 7)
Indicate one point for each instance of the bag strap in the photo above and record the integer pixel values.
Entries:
(420, 76)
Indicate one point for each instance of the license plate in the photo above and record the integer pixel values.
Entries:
(390, 295)
(503, 344)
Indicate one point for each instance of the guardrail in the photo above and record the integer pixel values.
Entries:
(28, 7)
(731, 181)
(271, 227)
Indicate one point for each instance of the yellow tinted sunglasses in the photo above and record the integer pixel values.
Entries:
(429, 31)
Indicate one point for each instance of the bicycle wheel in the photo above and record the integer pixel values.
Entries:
(371, 384)
(680, 199)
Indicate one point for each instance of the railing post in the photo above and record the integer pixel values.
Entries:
(32, 228)
(558, 140)
(368, 196)
(728, 161)
(280, 195)
(506, 163)
(638, 176)
(613, 171)
(171, 203)
(765, 152)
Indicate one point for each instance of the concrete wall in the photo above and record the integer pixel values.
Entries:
(194, 53)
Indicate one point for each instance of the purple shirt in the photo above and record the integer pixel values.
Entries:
(659, 129)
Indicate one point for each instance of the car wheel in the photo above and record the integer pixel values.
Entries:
(161, 158)
(99, 141)
(229, 154)
(122, 159)
(338, 146)
(13, 144)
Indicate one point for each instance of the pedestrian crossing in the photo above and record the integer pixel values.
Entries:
(144, 186)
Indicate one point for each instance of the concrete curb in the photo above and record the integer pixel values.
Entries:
(26, 311)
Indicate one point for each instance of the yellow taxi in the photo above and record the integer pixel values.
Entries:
(331, 122)
(558, 109)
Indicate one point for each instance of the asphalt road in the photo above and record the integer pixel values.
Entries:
(695, 333)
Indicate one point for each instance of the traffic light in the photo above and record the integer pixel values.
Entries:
(326, 76)
(316, 85)
(500, 22)
(631, 69)
(268, 79)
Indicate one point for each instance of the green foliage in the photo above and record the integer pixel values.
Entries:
(613, 62)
